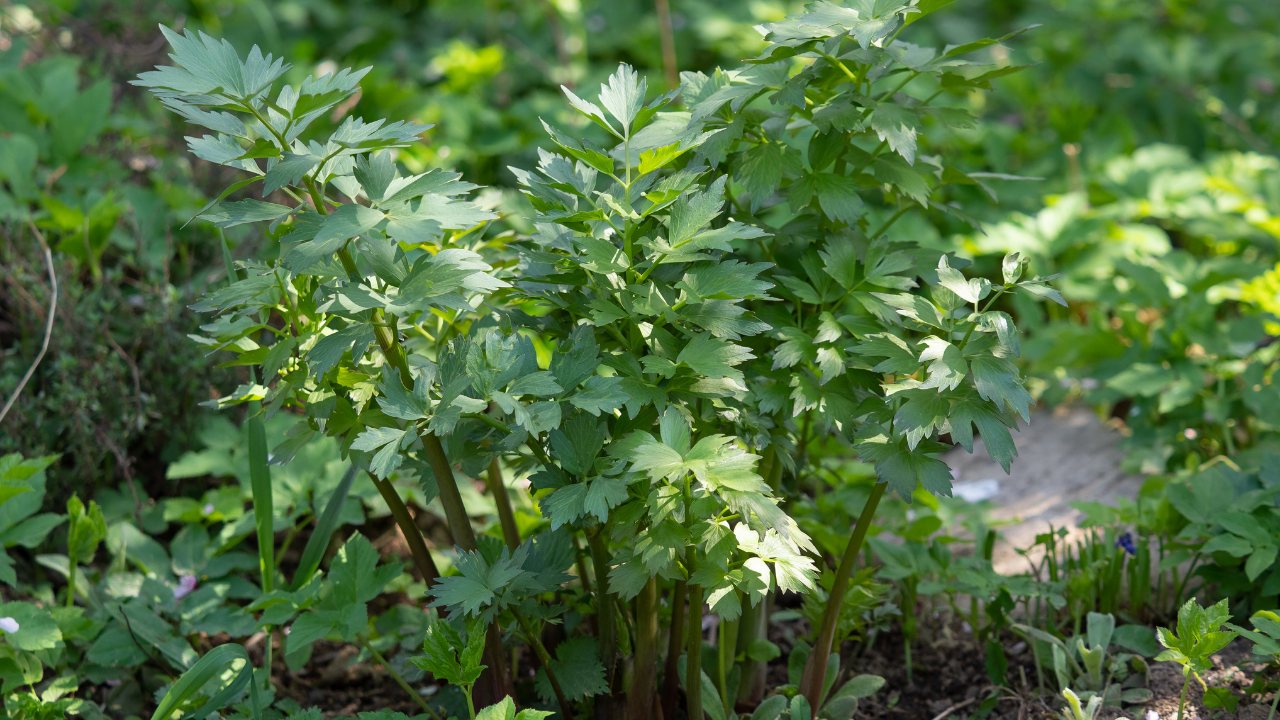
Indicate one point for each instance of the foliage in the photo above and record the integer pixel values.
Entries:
(680, 323)
(111, 395)
(1161, 266)
(1084, 666)
(648, 220)
(1198, 636)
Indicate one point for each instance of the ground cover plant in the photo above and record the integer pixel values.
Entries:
(654, 428)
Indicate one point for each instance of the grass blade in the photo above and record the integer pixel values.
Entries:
(192, 681)
(324, 529)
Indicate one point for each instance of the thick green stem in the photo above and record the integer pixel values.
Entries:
(1182, 702)
(671, 670)
(727, 648)
(396, 676)
(544, 657)
(450, 497)
(693, 653)
(502, 500)
(408, 528)
(605, 617)
(750, 628)
(815, 669)
(640, 698)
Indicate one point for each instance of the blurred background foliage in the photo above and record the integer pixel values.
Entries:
(1153, 125)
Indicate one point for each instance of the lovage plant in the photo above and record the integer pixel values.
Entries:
(705, 308)
(859, 350)
(366, 253)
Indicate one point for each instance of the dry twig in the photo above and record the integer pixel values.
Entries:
(48, 326)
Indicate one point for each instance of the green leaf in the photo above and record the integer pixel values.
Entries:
(213, 666)
(971, 412)
(289, 171)
(947, 366)
(899, 356)
(915, 307)
(386, 441)
(1042, 290)
(838, 197)
(971, 291)
(318, 542)
(723, 319)
(582, 151)
(205, 66)
(623, 96)
(658, 157)
(328, 351)
(692, 212)
(446, 657)
(246, 211)
(1000, 323)
(590, 110)
(656, 459)
(730, 280)
(355, 573)
(922, 413)
(897, 125)
(37, 630)
(578, 362)
(347, 222)
(1259, 561)
(762, 168)
(578, 668)
(604, 494)
(85, 530)
(600, 394)
(926, 7)
(577, 444)
(1138, 639)
(713, 357)
(481, 584)
(997, 380)
(564, 505)
(903, 469)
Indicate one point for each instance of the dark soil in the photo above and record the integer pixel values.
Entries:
(340, 689)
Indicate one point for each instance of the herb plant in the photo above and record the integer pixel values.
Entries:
(1198, 637)
(331, 311)
(641, 427)
(861, 351)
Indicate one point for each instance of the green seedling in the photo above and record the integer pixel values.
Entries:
(1198, 637)
(1073, 711)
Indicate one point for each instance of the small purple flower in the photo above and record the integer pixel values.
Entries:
(186, 584)
(1126, 541)
(8, 624)
(208, 509)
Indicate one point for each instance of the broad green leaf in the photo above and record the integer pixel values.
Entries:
(998, 380)
(903, 469)
(577, 667)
